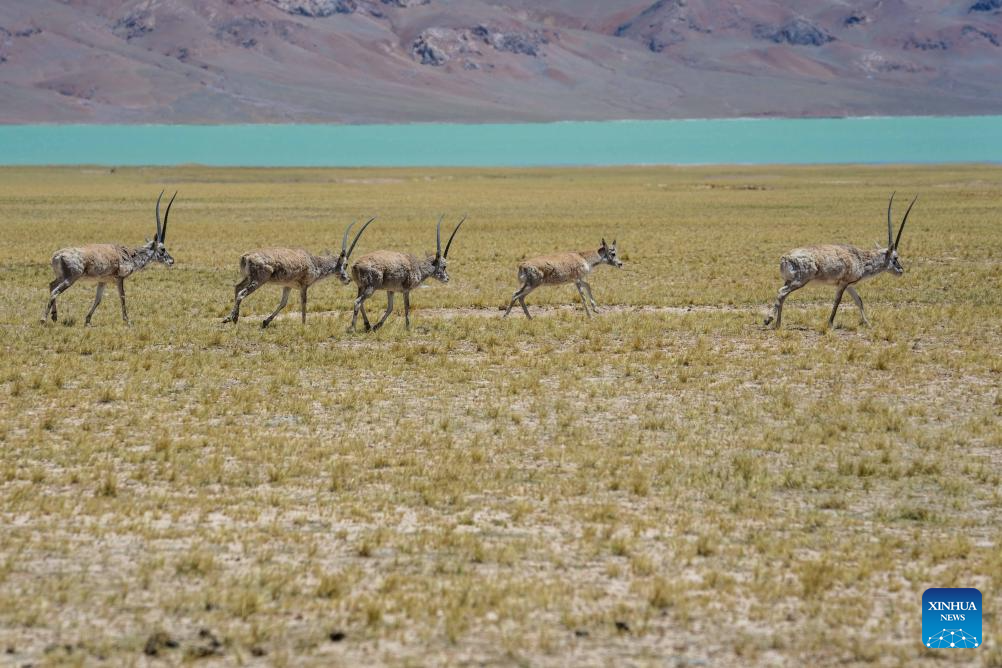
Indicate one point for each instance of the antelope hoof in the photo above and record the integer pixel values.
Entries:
(768, 320)
(265, 323)
(228, 319)
(377, 326)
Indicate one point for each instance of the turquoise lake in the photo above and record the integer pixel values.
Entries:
(682, 142)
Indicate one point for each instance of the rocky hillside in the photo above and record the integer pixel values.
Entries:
(376, 61)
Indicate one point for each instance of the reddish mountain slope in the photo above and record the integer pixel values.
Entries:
(358, 61)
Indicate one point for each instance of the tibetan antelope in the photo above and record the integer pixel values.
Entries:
(397, 272)
(840, 265)
(106, 263)
(563, 268)
(290, 268)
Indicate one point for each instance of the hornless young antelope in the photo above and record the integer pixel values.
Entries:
(840, 265)
(105, 263)
(563, 268)
(397, 272)
(290, 268)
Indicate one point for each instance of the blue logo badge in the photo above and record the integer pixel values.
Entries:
(951, 618)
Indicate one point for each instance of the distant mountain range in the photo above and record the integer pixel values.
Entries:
(390, 61)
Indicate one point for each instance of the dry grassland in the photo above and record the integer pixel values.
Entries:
(665, 484)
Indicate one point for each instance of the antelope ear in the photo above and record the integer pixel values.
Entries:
(604, 245)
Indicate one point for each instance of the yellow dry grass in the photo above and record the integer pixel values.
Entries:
(665, 484)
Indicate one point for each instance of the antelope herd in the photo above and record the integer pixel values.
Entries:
(841, 265)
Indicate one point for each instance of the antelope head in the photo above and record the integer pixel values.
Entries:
(439, 263)
(157, 246)
(341, 268)
(608, 254)
(891, 260)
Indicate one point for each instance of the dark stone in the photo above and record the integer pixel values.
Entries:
(337, 636)
(992, 38)
(986, 6)
(927, 44)
(622, 627)
(136, 24)
(317, 8)
(854, 20)
(209, 637)
(428, 53)
(209, 645)
(524, 43)
(158, 642)
(799, 32)
(239, 31)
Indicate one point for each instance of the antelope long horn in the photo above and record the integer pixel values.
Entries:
(157, 237)
(438, 236)
(163, 232)
(344, 239)
(905, 220)
(890, 226)
(357, 236)
(449, 245)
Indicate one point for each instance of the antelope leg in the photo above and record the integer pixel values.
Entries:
(389, 309)
(363, 294)
(584, 300)
(838, 300)
(281, 305)
(97, 300)
(56, 288)
(242, 294)
(121, 298)
(591, 297)
(777, 308)
(516, 296)
(859, 304)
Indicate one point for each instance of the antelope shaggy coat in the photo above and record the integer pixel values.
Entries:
(559, 268)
